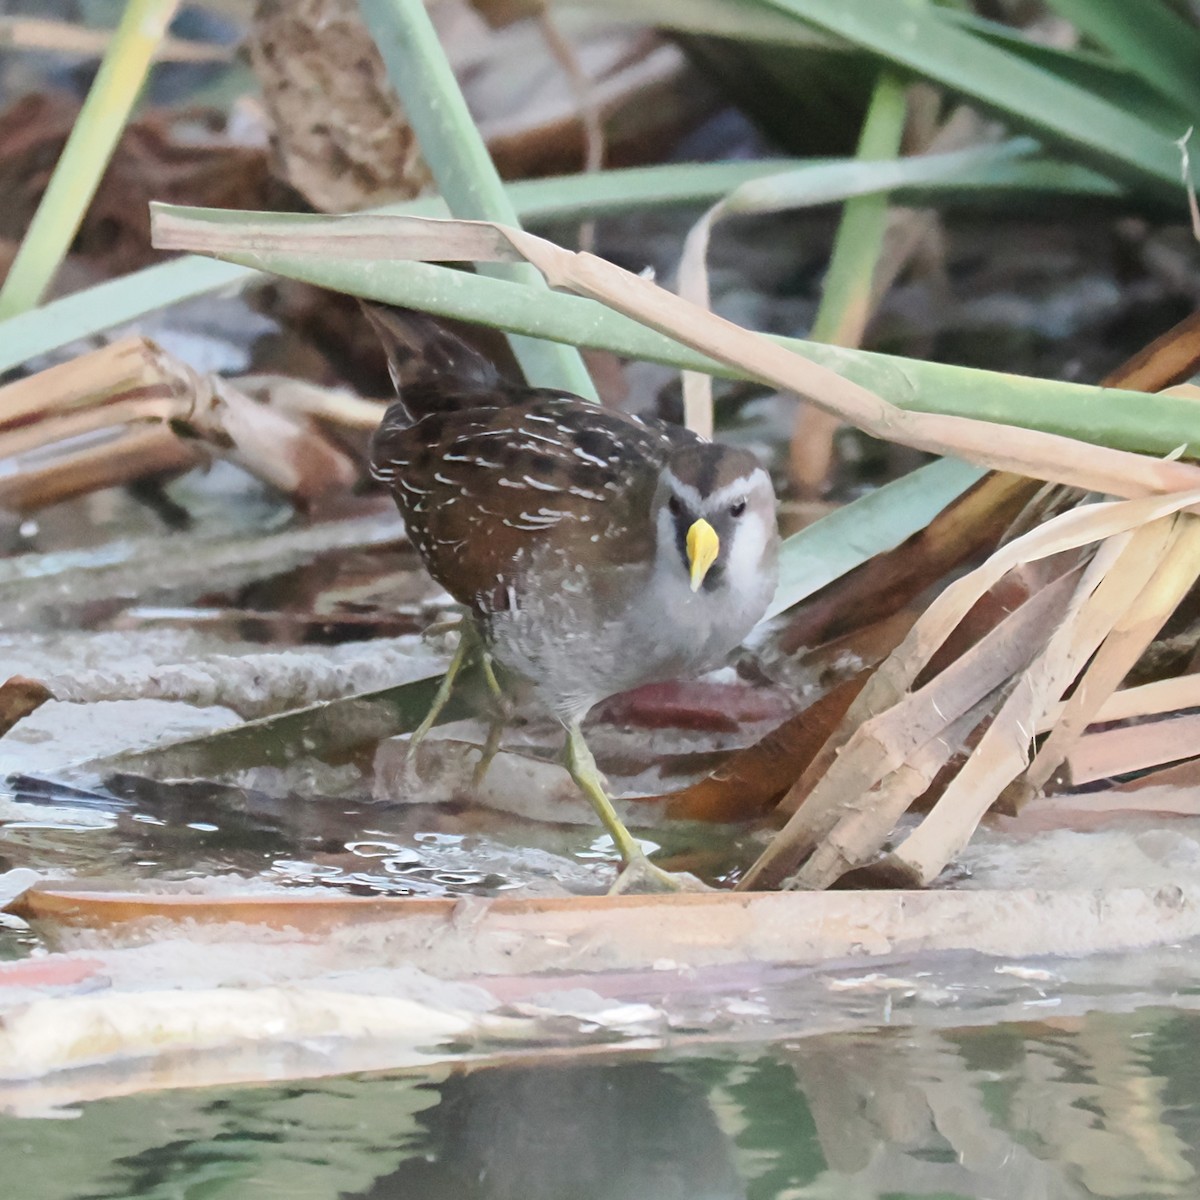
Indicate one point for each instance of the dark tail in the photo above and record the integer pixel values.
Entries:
(432, 369)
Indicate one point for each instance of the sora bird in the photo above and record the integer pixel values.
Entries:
(594, 551)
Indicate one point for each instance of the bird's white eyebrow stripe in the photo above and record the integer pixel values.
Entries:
(739, 487)
(730, 492)
(688, 494)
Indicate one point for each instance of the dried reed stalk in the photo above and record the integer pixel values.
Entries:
(130, 410)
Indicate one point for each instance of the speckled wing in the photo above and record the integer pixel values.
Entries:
(432, 369)
(485, 490)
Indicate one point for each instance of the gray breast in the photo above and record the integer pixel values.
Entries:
(583, 635)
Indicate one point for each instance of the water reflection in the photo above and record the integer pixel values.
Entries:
(1106, 1105)
(592, 1133)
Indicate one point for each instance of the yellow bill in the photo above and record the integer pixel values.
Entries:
(702, 547)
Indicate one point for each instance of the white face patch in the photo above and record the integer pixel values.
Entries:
(745, 556)
(744, 539)
(666, 553)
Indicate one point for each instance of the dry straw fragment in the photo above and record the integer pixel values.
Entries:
(1132, 633)
(1118, 571)
(130, 410)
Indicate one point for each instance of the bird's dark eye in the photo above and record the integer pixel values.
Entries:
(674, 506)
(737, 507)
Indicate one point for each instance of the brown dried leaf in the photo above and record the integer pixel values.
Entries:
(339, 133)
(856, 837)
(457, 938)
(1179, 778)
(1133, 631)
(888, 582)
(299, 398)
(19, 697)
(1169, 359)
(1149, 699)
(1171, 792)
(695, 704)
(129, 455)
(1116, 575)
(750, 781)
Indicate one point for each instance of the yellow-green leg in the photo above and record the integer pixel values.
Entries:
(503, 710)
(639, 873)
(442, 696)
(470, 645)
(489, 676)
(490, 749)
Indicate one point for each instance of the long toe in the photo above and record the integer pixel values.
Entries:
(640, 877)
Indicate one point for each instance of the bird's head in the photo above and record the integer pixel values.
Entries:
(714, 515)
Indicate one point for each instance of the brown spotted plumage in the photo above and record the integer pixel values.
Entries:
(478, 485)
(596, 551)
(524, 500)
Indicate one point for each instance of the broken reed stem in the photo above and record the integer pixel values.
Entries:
(64, 37)
(106, 415)
(132, 368)
(1052, 457)
(134, 383)
(1118, 572)
(298, 397)
(873, 743)
(1145, 700)
(1114, 752)
(882, 725)
(1133, 632)
(849, 296)
(132, 454)
(1047, 456)
(853, 840)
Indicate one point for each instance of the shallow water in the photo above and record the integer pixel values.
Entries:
(1106, 1105)
(946, 1078)
(1063, 1081)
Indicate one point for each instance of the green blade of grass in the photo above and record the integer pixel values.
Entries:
(752, 21)
(846, 300)
(755, 22)
(569, 198)
(916, 38)
(85, 156)
(461, 165)
(869, 525)
(845, 179)
(1000, 74)
(849, 296)
(1149, 37)
(565, 198)
(1153, 424)
(1085, 69)
(856, 246)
